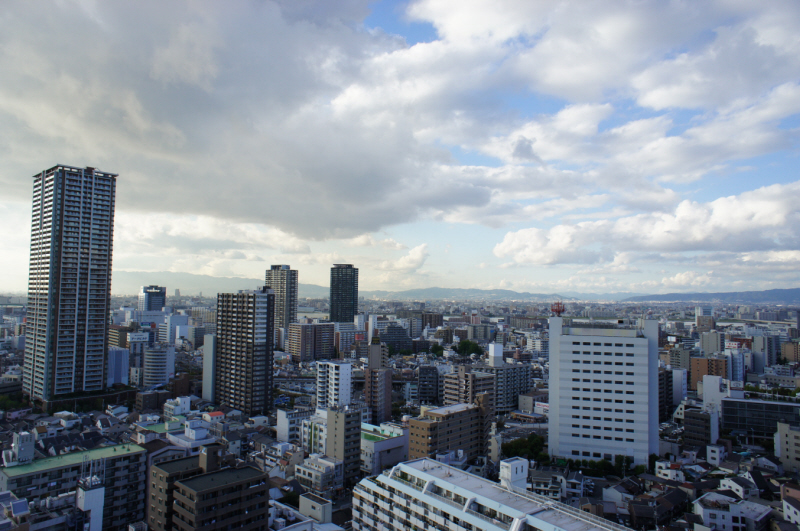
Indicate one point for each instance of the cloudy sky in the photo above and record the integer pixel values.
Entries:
(645, 146)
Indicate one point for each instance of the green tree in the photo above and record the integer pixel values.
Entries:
(437, 350)
(466, 347)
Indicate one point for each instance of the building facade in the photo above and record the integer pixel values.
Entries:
(344, 293)
(334, 383)
(449, 429)
(69, 282)
(465, 384)
(230, 498)
(158, 365)
(243, 350)
(310, 341)
(716, 365)
(757, 418)
(603, 390)
(284, 282)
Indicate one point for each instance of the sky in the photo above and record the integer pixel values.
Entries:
(632, 146)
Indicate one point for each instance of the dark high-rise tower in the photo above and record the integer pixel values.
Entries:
(152, 298)
(283, 281)
(69, 282)
(344, 293)
(243, 350)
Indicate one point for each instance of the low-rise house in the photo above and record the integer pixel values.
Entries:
(718, 510)
(743, 487)
(382, 446)
(322, 475)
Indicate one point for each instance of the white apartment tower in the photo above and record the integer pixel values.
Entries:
(603, 390)
(334, 383)
(69, 282)
(283, 281)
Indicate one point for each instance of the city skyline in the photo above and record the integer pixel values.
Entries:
(545, 148)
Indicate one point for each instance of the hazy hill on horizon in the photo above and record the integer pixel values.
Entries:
(129, 282)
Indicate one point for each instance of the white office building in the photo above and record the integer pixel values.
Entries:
(603, 390)
(427, 494)
(334, 383)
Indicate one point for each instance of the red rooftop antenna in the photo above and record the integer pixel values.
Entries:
(557, 308)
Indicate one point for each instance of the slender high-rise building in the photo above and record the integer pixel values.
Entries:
(344, 293)
(152, 298)
(283, 281)
(69, 282)
(242, 355)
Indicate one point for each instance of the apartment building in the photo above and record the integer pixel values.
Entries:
(451, 428)
(426, 494)
(382, 446)
(510, 379)
(231, 498)
(336, 432)
(463, 385)
(787, 446)
(334, 383)
(289, 425)
(124, 474)
(716, 365)
(69, 282)
(322, 475)
(163, 476)
(378, 383)
(603, 390)
(242, 352)
(310, 341)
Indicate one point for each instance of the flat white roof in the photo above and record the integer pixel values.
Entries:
(454, 408)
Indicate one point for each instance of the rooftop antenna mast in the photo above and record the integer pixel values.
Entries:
(557, 308)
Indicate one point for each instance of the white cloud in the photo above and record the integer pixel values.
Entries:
(762, 219)
(368, 240)
(409, 263)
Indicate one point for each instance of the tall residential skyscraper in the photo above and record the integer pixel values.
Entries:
(283, 281)
(344, 293)
(69, 283)
(603, 390)
(243, 350)
(152, 298)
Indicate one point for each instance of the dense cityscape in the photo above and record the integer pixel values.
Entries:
(259, 409)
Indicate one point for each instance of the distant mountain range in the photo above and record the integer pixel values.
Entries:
(129, 282)
(774, 296)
